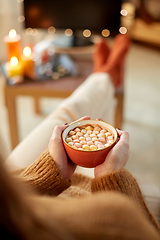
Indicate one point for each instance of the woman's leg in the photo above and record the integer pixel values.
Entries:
(95, 98)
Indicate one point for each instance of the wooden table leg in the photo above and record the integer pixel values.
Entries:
(12, 116)
(37, 105)
(119, 110)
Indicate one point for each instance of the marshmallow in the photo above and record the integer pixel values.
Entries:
(89, 138)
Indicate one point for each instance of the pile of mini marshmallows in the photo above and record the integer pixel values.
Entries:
(89, 138)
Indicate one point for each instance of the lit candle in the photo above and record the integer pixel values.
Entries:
(28, 63)
(14, 68)
(13, 45)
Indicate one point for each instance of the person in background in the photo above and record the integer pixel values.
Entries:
(49, 200)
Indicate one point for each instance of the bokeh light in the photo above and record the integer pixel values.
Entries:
(29, 31)
(68, 32)
(21, 19)
(124, 12)
(123, 30)
(105, 33)
(51, 30)
(34, 32)
(86, 33)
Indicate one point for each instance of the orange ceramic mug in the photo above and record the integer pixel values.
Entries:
(83, 158)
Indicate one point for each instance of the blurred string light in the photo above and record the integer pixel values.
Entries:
(51, 30)
(68, 32)
(28, 31)
(105, 33)
(21, 19)
(124, 12)
(86, 33)
(35, 32)
(123, 30)
(31, 31)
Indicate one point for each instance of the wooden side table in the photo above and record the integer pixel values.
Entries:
(61, 88)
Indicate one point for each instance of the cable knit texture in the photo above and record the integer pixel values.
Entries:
(111, 207)
(122, 181)
(44, 176)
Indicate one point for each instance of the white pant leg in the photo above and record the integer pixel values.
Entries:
(95, 98)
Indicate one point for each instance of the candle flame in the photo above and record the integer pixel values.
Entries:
(12, 33)
(27, 51)
(14, 61)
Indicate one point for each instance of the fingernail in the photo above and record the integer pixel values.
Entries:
(66, 124)
(119, 129)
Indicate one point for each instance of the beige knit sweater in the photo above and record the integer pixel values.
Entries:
(111, 207)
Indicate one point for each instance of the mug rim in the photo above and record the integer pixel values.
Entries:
(81, 121)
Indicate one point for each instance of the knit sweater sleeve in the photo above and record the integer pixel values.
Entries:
(44, 176)
(122, 181)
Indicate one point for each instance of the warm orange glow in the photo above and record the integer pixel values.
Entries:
(123, 30)
(46, 23)
(34, 12)
(86, 33)
(27, 51)
(51, 30)
(14, 61)
(124, 12)
(105, 33)
(12, 33)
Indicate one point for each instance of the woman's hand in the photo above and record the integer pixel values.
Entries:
(116, 158)
(58, 153)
